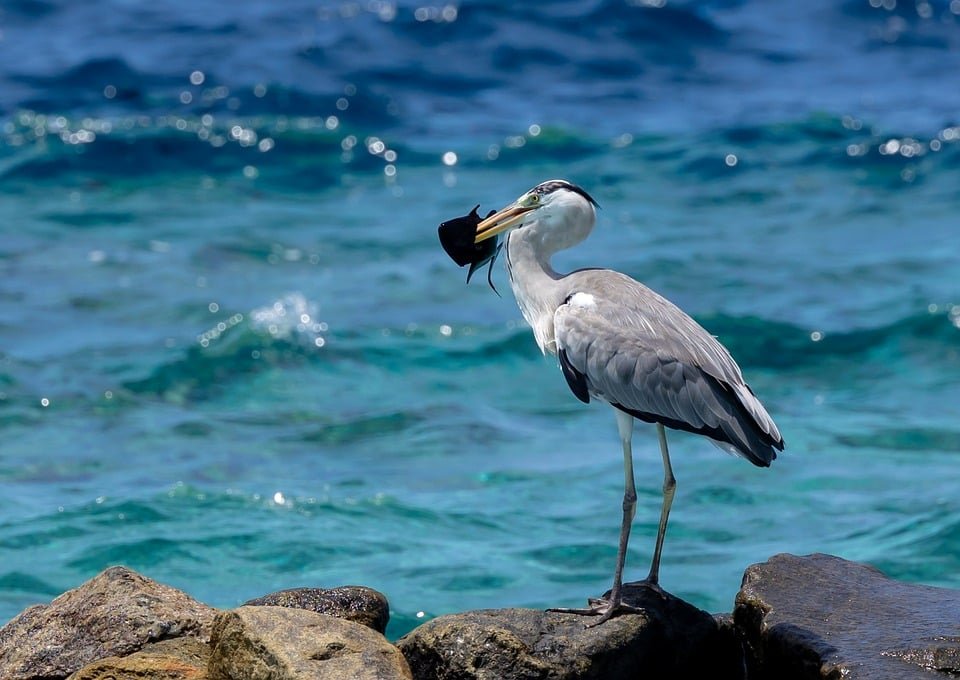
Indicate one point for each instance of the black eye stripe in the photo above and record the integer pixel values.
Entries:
(555, 184)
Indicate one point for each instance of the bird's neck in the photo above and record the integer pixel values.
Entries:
(536, 286)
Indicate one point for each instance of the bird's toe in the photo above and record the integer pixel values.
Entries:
(602, 608)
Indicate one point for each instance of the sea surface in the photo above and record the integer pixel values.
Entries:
(234, 357)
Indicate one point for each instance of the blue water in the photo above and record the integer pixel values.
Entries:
(234, 357)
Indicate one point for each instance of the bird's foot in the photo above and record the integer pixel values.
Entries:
(607, 607)
(603, 608)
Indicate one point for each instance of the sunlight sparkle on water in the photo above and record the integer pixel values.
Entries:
(447, 13)
(292, 318)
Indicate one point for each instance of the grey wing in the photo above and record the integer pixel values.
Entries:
(654, 362)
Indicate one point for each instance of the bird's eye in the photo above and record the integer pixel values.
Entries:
(534, 198)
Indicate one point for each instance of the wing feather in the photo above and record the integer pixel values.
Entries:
(645, 356)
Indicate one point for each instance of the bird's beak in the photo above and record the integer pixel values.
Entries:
(500, 221)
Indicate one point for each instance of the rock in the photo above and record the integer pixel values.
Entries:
(671, 639)
(359, 604)
(113, 614)
(820, 616)
(182, 658)
(280, 643)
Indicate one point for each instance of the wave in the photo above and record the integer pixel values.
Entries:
(311, 153)
(490, 63)
(137, 147)
(904, 439)
(780, 345)
(92, 84)
(288, 333)
(284, 333)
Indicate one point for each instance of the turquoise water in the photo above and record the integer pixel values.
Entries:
(234, 357)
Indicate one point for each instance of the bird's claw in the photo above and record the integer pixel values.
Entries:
(606, 608)
(602, 608)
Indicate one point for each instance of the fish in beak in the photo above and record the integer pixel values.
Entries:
(458, 238)
(474, 241)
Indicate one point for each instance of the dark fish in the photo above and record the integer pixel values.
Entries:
(457, 238)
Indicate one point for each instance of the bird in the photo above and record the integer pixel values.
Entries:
(617, 341)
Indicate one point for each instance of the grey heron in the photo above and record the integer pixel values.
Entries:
(620, 342)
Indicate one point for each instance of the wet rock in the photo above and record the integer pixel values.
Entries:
(359, 604)
(820, 616)
(113, 614)
(670, 639)
(280, 643)
(182, 658)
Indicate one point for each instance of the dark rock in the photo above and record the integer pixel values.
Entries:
(280, 643)
(359, 604)
(113, 614)
(182, 658)
(820, 616)
(670, 639)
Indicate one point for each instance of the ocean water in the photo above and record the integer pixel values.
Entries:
(234, 357)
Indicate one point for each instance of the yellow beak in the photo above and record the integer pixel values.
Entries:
(500, 221)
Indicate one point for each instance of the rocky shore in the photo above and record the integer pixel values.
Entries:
(816, 616)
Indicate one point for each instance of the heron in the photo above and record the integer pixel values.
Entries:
(619, 342)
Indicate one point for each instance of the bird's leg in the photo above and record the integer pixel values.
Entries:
(669, 486)
(602, 607)
(625, 426)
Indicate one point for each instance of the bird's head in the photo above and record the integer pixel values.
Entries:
(558, 213)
